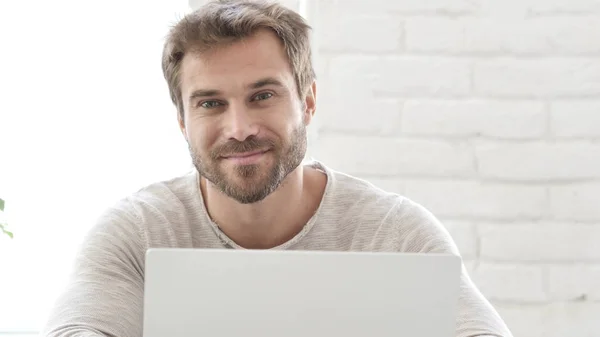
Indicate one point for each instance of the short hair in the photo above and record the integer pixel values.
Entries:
(221, 22)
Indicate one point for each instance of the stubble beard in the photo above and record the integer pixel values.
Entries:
(258, 180)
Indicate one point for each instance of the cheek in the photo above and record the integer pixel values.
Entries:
(286, 123)
(201, 136)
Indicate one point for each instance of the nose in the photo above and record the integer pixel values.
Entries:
(239, 124)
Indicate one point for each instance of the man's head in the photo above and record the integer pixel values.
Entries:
(240, 75)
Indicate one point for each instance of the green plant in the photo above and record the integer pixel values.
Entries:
(2, 223)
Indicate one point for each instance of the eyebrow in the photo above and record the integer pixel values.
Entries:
(263, 82)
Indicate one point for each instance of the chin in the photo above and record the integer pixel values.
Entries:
(247, 179)
(249, 193)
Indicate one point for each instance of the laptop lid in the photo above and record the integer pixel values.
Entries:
(231, 293)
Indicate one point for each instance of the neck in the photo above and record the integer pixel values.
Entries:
(272, 221)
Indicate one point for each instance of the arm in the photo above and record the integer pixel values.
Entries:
(425, 234)
(104, 296)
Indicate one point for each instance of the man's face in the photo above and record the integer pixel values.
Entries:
(243, 120)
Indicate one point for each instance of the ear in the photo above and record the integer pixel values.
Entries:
(310, 103)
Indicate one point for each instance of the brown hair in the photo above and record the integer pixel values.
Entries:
(220, 22)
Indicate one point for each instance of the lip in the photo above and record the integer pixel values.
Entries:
(246, 158)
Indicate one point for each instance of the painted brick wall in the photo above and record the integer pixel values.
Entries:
(488, 113)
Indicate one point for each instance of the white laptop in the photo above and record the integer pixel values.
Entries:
(264, 293)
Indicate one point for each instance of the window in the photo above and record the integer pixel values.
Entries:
(85, 119)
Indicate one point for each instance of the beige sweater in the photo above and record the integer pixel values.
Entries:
(104, 296)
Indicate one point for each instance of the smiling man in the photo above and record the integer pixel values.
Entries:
(241, 79)
(244, 118)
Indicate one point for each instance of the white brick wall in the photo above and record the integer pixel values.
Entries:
(493, 36)
(471, 118)
(538, 161)
(542, 77)
(540, 242)
(575, 119)
(470, 199)
(488, 113)
(553, 319)
(510, 282)
(376, 155)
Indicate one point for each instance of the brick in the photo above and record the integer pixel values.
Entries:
(388, 184)
(473, 199)
(331, 8)
(366, 155)
(563, 6)
(366, 115)
(577, 202)
(547, 77)
(465, 237)
(574, 119)
(574, 282)
(552, 320)
(468, 118)
(401, 75)
(538, 161)
(547, 242)
(540, 36)
(350, 33)
(536, 8)
(523, 320)
(569, 319)
(505, 10)
(510, 282)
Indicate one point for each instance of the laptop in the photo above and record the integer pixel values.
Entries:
(264, 293)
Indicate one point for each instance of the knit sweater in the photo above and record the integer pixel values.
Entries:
(105, 293)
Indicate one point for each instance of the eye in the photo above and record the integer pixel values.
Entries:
(263, 96)
(209, 104)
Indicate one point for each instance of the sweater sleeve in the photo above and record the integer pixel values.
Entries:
(104, 294)
(476, 317)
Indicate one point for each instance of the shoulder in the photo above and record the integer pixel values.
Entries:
(394, 218)
(158, 198)
(163, 201)
(180, 189)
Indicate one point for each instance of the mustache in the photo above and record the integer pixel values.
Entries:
(234, 146)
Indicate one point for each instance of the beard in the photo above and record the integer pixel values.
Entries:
(252, 183)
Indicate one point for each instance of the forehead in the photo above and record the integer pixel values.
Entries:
(235, 65)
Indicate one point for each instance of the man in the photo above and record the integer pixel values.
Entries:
(240, 76)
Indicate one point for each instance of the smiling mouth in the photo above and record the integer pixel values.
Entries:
(246, 158)
(244, 154)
